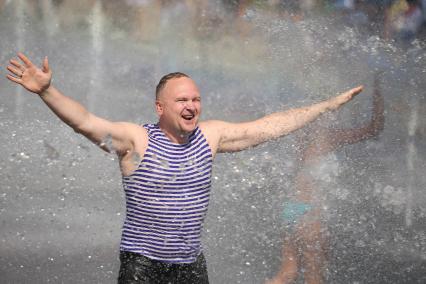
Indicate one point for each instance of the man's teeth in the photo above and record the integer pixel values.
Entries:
(188, 117)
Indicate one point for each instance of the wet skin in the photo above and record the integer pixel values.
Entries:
(179, 108)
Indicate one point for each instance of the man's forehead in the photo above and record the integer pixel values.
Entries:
(181, 85)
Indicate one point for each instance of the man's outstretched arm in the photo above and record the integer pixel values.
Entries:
(331, 139)
(96, 129)
(231, 137)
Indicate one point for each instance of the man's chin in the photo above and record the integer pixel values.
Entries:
(188, 128)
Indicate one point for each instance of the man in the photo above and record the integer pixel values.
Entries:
(167, 190)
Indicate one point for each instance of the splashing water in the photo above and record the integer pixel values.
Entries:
(376, 201)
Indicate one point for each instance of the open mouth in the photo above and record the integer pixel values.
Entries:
(188, 116)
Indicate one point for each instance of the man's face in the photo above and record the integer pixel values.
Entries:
(179, 105)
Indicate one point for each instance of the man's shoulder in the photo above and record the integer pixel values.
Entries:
(211, 127)
(212, 131)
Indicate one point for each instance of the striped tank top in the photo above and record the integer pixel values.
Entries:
(167, 198)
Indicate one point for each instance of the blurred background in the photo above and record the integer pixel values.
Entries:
(61, 200)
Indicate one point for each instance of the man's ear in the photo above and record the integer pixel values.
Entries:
(159, 107)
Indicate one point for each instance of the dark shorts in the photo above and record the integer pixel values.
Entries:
(136, 268)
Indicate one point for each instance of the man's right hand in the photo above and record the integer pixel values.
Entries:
(28, 75)
(336, 102)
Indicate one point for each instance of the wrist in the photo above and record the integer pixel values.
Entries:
(334, 103)
(45, 92)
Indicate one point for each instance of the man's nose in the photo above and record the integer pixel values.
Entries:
(189, 105)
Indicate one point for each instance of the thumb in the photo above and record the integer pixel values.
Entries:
(46, 68)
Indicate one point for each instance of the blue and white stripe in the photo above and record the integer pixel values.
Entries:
(167, 198)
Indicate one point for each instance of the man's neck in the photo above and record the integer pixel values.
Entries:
(175, 137)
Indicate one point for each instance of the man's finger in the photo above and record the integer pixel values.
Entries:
(16, 63)
(15, 71)
(14, 79)
(24, 59)
(356, 91)
(46, 68)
